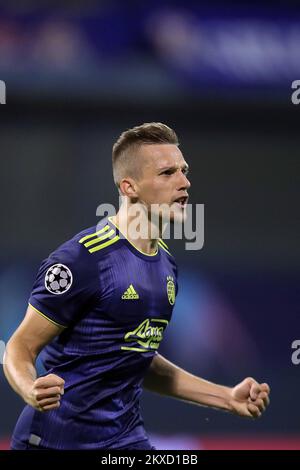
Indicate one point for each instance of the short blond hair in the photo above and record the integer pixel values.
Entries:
(124, 161)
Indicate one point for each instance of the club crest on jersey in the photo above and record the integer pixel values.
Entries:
(58, 279)
(171, 290)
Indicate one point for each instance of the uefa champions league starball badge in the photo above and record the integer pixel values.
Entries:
(58, 279)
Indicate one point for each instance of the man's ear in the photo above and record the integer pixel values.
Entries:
(128, 187)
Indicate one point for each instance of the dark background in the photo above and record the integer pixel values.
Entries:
(220, 75)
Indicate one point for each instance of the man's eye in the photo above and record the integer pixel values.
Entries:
(167, 172)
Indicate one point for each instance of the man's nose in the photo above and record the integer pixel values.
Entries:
(184, 182)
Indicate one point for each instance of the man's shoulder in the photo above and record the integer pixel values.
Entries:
(90, 243)
(166, 250)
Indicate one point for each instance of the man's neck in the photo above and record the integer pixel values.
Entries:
(130, 226)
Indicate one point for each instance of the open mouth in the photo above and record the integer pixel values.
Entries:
(182, 201)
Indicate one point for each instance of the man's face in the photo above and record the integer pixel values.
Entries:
(163, 180)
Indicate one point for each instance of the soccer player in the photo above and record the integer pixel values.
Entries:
(97, 314)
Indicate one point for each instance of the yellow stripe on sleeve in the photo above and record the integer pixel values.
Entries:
(99, 239)
(163, 243)
(159, 244)
(47, 318)
(104, 229)
(105, 244)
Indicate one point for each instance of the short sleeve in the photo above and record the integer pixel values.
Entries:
(66, 285)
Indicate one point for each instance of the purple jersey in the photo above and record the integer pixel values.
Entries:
(114, 303)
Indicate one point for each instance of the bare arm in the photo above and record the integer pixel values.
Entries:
(33, 334)
(246, 399)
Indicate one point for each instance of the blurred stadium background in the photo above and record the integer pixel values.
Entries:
(220, 73)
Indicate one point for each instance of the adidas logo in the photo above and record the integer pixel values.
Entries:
(130, 293)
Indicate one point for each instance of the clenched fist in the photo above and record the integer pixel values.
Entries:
(46, 392)
(249, 398)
